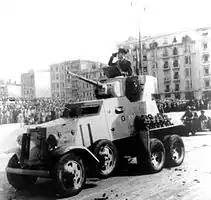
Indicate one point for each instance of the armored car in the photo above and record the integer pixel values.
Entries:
(92, 138)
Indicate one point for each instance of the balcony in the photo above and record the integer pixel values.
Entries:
(167, 91)
(167, 79)
(176, 90)
(165, 55)
(166, 67)
(205, 51)
(176, 68)
(176, 79)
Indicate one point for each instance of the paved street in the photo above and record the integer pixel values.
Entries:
(191, 180)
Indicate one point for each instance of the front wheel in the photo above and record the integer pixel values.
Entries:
(69, 175)
(175, 150)
(19, 182)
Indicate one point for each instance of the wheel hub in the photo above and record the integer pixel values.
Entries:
(72, 175)
(156, 159)
(107, 159)
(175, 154)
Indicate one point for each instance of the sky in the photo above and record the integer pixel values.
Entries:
(37, 33)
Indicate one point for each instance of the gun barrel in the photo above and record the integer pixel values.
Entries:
(96, 83)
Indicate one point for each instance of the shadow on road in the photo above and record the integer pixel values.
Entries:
(43, 189)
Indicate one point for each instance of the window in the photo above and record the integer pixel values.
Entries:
(190, 59)
(165, 52)
(185, 48)
(206, 71)
(177, 87)
(186, 72)
(168, 95)
(57, 77)
(205, 58)
(175, 63)
(57, 86)
(174, 40)
(175, 52)
(167, 88)
(144, 58)
(177, 96)
(57, 69)
(166, 65)
(186, 59)
(176, 75)
(207, 83)
(154, 74)
(145, 69)
(205, 46)
(205, 34)
(187, 84)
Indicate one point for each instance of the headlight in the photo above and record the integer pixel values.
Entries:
(19, 140)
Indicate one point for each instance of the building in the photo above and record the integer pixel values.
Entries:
(28, 85)
(35, 84)
(10, 90)
(180, 61)
(42, 83)
(71, 88)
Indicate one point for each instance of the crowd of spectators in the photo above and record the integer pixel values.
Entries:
(167, 106)
(36, 111)
(30, 111)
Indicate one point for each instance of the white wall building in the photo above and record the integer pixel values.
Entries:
(180, 61)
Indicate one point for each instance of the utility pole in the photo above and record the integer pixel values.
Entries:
(140, 53)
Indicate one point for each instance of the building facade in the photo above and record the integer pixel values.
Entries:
(180, 61)
(67, 87)
(28, 85)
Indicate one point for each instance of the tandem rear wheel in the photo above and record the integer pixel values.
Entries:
(154, 161)
(175, 150)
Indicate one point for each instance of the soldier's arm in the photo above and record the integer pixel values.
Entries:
(110, 62)
(130, 71)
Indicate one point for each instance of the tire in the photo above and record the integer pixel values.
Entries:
(67, 168)
(19, 182)
(175, 150)
(105, 149)
(156, 160)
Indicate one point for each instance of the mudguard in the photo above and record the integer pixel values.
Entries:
(78, 149)
(16, 150)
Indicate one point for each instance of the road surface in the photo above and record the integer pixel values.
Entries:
(190, 181)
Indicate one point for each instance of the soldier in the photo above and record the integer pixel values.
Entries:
(123, 64)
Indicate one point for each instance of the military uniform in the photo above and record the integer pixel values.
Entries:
(124, 65)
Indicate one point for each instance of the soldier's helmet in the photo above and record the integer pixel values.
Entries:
(123, 50)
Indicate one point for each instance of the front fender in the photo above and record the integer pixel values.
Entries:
(16, 150)
(78, 149)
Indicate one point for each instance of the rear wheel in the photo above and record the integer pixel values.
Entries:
(157, 156)
(155, 160)
(19, 182)
(175, 150)
(106, 152)
(69, 175)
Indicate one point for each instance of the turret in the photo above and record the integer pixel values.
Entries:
(135, 88)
